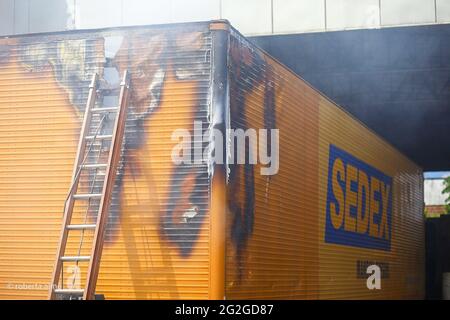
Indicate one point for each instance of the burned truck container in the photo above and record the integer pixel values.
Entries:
(237, 179)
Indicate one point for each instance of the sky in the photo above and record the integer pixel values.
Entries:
(436, 174)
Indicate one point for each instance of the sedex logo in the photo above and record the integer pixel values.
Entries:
(359, 203)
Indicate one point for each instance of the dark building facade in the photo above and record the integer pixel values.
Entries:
(395, 80)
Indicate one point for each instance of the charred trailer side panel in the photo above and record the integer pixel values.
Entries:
(157, 240)
(188, 221)
(341, 201)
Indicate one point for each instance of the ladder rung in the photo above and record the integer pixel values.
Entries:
(112, 109)
(81, 226)
(87, 196)
(94, 165)
(99, 137)
(93, 135)
(70, 291)
(76, 258)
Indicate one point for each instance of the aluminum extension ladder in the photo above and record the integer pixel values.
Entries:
(102, 193)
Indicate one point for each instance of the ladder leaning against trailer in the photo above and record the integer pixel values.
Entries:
(98, 195)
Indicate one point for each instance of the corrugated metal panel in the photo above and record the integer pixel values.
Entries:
(404, 259)
(272, 245)
(279, 244)
(151, 251)
(278, 241)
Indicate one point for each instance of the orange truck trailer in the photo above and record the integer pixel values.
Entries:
(304, 213)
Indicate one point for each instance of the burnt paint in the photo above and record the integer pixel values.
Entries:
(74, 61)
(185, 179)
(249, 70)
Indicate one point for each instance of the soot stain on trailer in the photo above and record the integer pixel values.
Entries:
(4, 51)
(250, 70)
(73, 62)
(185, 181)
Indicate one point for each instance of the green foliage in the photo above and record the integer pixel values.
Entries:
(446, 191)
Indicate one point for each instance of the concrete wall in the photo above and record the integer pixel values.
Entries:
(252, 17)
(433, 192)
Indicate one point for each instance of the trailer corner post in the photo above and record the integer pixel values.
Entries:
(219, 114)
